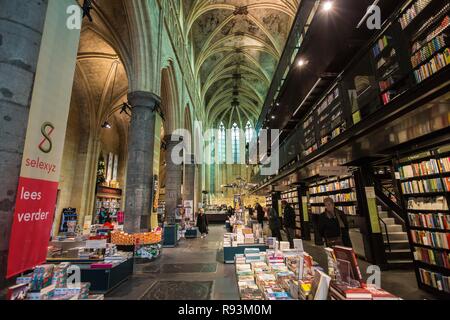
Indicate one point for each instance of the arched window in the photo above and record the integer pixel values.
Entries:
(248, 132)
(212, 185)
(222, 144)
(235, 136)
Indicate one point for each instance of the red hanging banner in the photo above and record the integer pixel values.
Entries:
(32, 225)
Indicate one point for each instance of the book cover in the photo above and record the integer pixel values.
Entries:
(347, 257)
(320, 286)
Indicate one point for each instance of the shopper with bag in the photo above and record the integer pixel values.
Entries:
(202, 223)
(333, 226)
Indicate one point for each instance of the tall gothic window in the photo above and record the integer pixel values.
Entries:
(212, 185)
(248, 132)
(235, 136)
(222, 143)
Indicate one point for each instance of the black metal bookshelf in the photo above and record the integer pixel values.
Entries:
(434, 240)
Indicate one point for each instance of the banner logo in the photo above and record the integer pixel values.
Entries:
(46, 144)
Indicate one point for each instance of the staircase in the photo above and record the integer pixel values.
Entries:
(398, 252)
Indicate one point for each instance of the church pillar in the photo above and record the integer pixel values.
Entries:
(173, 180)
(138, 203)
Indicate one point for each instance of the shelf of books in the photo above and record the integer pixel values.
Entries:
(426, 23)
(425, 186)
(309, 133)
(292, 196)
(340, 189)
(330, 116)
(390, 71)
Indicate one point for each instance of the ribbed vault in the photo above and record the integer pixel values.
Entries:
(237, 46)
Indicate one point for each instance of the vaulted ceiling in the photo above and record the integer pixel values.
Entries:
(237, 46)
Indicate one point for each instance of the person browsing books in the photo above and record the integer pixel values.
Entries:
(333, 225)
(202, 223)
(260, 214)
(274, 223)
(289, 221)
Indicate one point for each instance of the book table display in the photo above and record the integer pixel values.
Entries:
(241, 239)
(291, 274)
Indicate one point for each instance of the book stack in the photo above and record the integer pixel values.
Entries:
(439, 60)
(440, 259)
(435, 280)
(445, 164)
(419, 169)
(432, 239)
(428, 203)
(430, 220)
(422, 186)
(382, 43)
(413, 12)
(428, 50)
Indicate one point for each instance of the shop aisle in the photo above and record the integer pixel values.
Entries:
(192, 271)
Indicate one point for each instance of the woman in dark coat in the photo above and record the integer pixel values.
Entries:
(202, 223)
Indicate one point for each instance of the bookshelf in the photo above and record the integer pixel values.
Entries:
(309, 133)
(340, 189)
(391, 72)
(424, 186)
(330, 116)
(426, 24)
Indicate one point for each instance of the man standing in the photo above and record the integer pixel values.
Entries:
(260, 214)
(289, 221)
(333, 225)
(274, 223)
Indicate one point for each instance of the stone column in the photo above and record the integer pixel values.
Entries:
(189, 178)
(138, 201)
(173, 180)
(21, 26)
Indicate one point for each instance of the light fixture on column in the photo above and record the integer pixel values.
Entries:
(87, 7)
(125, 107)
(106, 125)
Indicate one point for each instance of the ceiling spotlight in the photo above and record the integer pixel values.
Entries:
(328, 5)
(273, 117)
(106, 125)
(277, 104)
(302, 62)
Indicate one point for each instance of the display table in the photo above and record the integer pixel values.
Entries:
(102, 280)
(230, 252)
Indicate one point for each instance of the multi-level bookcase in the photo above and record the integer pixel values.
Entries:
(424, 182)
(340, 189)
(296, 197)
(426, 23)
(330, 116)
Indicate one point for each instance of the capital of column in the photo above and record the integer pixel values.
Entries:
(144, 99)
